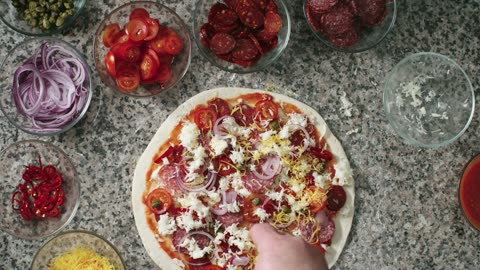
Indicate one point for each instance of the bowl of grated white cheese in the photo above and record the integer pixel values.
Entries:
(428, 100)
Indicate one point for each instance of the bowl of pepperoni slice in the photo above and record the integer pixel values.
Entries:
(350, 26)
(241, 36)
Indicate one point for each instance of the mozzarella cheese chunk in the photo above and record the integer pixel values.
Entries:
(342, 177)
(218, 145)
(321, 179)
(166, 224)
(187, 222)
(238, 155)
(192, 202)
(262, 214)
(189, 135)
(297, 119)
(238, 185)
(239, 237)
(231, 207)
(276, 196)
(194, 250)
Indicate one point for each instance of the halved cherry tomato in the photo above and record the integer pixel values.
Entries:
(205, 118)
(220, 106)
(250, 204)
(174, 43)
(139, 13)
(164, 74)
(109, 34)
(318, 203)
(136, 29)
(167, 41)
(153, 26)
(159, 201)
(149, 65)
(266, 110)
(121, 37)
(165, 59)
(128, 51)
(213, 267)
(225, 166)
(243, 115)
(110, 63)
(128, 77)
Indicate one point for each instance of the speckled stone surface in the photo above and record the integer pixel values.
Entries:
(406, 211)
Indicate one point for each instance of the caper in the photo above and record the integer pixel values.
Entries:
(59, 21)
(46, 24)
(286, 209)
(32, 5)
(256, 201)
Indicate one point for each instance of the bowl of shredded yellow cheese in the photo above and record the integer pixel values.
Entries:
(77, 250)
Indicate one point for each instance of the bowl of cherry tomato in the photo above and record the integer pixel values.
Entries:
(142, 48)
(241, 36)
(40, 189)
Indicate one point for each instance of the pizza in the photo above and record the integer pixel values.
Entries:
(228, 158)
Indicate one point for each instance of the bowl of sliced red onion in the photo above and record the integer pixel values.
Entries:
(45, 86)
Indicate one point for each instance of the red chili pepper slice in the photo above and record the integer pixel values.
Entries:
(54, 212)
(49, 170)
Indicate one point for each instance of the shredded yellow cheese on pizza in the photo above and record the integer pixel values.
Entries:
(81, 259)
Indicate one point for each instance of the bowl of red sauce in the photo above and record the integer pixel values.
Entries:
(469, 192)
(40, 189)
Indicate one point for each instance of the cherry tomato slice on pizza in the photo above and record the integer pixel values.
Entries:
(205, 118)
(266, 110)
(128, 77)
(225, 166)
(110, 33)
(110, 63)
(159, 201)
(136, 29)
(139, 13)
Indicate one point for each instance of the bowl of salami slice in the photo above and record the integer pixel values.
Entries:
(350, 25)
(241, 36)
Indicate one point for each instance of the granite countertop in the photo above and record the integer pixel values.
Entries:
(406, 211)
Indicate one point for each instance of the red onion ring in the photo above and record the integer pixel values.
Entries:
(240, 261)
(212, 176)
(49, 89)
(227, 197)
(270, 167)
(307, 136)
(219, 127)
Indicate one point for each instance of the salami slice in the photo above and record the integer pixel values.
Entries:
(177, 239)
(226, 57)
(326, 232)
(321, 6)
(169, 174)
(225, 17)
(338, 21)
(214, 10)
(312, 19)
(245, 50)
(261, 4)
(251, 17)
(271, 6)
(246, 63)
(240, 32)
(273, 22)
(206, 33)
(347, 39)
(230, 218)
(222, 43)
(255, 185)
(265, 36)
(257, 44)
(336, 198)
(231, 3)
(308, 230)
(242, 4)
(270, 45)
(371, 12)
(225, 28)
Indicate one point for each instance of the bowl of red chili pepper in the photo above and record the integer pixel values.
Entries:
(40, 189)
(142, 49)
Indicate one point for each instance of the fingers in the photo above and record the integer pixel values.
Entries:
(263, 235)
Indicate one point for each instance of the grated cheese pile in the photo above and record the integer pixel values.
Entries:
(81, 259)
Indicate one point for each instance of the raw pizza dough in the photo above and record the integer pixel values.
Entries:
(343, 220)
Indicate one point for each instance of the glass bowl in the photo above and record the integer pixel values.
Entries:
(10, 16)
(428, 100)
(200, 17)
(468, 190)
(12, 165)
(167, 17)
(16, 58)
(71, 240)
(369, 37)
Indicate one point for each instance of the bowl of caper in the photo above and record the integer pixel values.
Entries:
(40, 17)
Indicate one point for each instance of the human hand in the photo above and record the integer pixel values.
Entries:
(284, 251)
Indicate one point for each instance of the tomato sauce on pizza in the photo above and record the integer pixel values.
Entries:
(230, 163)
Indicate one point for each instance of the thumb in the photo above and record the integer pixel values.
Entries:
(263, 235)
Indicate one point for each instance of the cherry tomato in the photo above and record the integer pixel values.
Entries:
(121, 37)
(139, 13)
(128, 77)
(110, 33)
(250, 204)
(243, 115)
(137, 29)
(213, 267)
(165, 59)
(205, 118)
(174, 44)
(317, 204)
(164, 74)
(167, 41)
(153, 26)
(225, 166)
(149, 65)
(220, 106)
(128, 51)
(110, 63)
(159, 201)
(266, 110)
(336, 198)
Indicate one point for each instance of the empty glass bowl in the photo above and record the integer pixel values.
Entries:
(69, 241)
(167, 17)
(428, 100)
(10, 16)
(12, 166)
(369, 37)
(200, 17)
